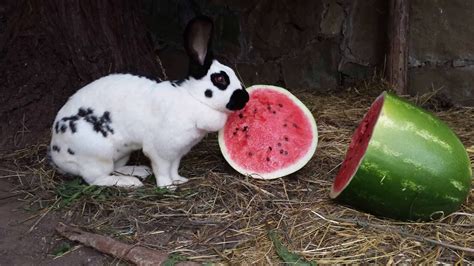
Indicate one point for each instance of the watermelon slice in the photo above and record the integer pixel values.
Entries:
(403, 163)
(273, 136)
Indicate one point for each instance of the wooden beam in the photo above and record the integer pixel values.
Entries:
(397, 60)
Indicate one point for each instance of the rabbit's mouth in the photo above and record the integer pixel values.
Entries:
(238, 99)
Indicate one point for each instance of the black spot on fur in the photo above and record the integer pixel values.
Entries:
(56, 127)
(70, 118)
(72, 122)
(106, 117)
(238, 99)
(84, 112)
(56, 148)
(208, 93)
(72, 126)
(99, 124)
(220, 80)
(70, 151)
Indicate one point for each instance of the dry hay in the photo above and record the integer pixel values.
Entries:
(222, 216)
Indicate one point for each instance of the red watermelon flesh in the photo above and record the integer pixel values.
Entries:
(274, 135)
(358, 146)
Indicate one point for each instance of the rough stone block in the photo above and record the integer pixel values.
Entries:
(332, 18)
(441, 30)
(456, 84)
(365, 37)
(264, 73)
(279, 28)
(315, 67)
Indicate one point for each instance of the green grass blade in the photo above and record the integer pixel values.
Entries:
(287, 256)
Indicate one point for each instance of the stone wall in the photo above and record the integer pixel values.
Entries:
(442, 50)
(325, 44)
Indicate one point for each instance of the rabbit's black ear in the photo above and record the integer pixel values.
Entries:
(197, 42)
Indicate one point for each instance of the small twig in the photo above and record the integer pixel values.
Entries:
(163, 70)
(132, 253)
(41, 217)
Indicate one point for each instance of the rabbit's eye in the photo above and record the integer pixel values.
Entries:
(220, 80)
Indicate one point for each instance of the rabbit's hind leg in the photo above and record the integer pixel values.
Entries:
(97, 171)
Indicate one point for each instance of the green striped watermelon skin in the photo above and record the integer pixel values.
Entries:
(414, 168)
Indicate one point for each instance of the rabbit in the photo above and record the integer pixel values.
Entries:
(94, 133)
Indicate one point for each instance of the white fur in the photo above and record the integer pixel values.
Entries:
(163, 120)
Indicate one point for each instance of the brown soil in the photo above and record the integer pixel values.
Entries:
(28, 239)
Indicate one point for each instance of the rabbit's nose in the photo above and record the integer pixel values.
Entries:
(238, 100)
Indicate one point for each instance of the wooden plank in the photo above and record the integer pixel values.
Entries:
(397, 60)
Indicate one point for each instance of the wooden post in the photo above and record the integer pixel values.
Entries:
(397, 61)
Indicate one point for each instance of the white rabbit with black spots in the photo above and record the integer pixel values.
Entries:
(102, 123)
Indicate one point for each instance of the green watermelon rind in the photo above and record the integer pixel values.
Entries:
(284, 171)
(414, 168)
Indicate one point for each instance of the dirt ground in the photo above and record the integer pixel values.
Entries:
(28, 238)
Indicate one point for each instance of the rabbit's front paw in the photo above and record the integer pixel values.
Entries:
(165, 182)
(117, 180)
(177, 179)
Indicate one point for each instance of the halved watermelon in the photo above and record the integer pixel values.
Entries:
(273, 136)
(403, 163)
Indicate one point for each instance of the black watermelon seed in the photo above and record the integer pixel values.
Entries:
(282, 151)
(245, 128)
(241, 116)
(274, 112)
(268, 159)
(250, 154)
(285, 138)
(281, 105)
(270, 148)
